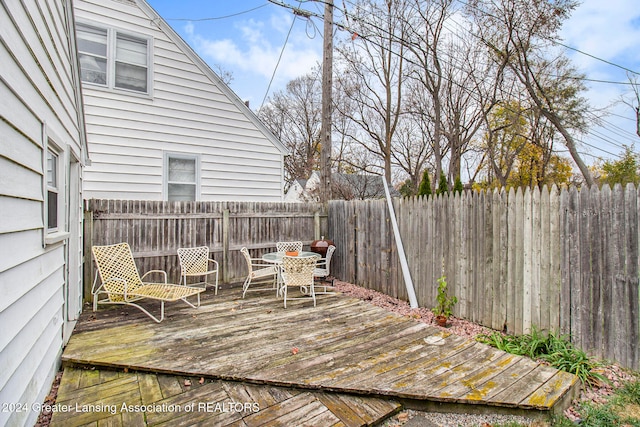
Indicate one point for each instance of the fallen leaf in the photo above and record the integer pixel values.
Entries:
(126, 370)
(294, 350)
(201, 380)
(403, 417)
(187, 383)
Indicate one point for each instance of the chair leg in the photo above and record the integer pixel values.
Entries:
(245, 286)
(284, 294)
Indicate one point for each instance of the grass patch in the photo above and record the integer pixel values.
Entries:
(550, 347)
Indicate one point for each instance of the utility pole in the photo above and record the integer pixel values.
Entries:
(327, 83)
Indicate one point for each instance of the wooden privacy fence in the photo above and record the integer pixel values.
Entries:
(562, 260)
(155, 230)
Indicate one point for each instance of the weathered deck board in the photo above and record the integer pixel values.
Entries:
(215, 402)
(343, 346)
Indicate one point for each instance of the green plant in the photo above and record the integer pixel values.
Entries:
(425, 185)
(443, 185)
(458, 188)
(629, 393)
(552, 348)
(444, 303)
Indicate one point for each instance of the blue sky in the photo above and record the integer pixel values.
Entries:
(249, 45)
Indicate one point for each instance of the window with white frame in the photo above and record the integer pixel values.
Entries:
(181, 177)
(53, 190)
(113, 59)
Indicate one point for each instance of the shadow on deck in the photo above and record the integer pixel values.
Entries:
(252, 362)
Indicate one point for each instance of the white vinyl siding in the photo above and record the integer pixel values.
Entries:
(190, 113)
(113, 58)
(38, 99)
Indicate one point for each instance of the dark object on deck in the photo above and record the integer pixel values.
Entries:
(321, 246)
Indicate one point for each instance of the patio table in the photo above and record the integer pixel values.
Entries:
(276, 258)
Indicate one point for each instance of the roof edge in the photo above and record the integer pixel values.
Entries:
(188, 50)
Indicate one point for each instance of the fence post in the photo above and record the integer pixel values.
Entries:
(226, 261)
(316, 225)
(87, 260)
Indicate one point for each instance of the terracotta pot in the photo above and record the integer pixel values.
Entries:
(321, 246)
(441, 321)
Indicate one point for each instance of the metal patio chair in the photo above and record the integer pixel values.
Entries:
(195, 262)
(259, 273)
(289, 246)
(121, 283)
(298, 272)
(323, 271)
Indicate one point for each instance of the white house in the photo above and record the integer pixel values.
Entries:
(160, 123)
(42, 152)
(344, 186)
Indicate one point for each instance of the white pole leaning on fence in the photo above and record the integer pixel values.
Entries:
(408, 283)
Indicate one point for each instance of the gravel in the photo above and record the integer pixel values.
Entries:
(432, 419)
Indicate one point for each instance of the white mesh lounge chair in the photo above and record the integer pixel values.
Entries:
(259, 273)
(323, 271)
(298, 272)
(121, 283)
(289, 246)
(195, 262)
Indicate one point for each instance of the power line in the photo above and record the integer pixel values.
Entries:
(554, 41)
(394, 37)
(217, 17)
(293, 21)
(594, 57)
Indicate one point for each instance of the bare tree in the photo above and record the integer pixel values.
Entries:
(425, 31)
(293, 116)
(633, 101)
(519, 33)
(373, 72)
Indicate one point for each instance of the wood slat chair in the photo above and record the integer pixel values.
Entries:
(195, 262)
(323, 271)
(120, 282)
(289, 246)
(298, 272)
(259, 272)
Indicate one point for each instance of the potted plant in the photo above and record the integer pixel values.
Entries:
(444, 303)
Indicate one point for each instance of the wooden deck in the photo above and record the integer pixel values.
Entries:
(302, 357)
(95, 397)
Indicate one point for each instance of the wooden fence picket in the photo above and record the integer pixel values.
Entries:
(563, 260)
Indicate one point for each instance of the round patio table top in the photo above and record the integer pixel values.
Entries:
(276, 257)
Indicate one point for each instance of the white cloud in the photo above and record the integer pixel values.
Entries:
(606, 29)
(254, 49)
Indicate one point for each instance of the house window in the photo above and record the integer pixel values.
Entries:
(181, 172)
(113, 59)
(53, 190)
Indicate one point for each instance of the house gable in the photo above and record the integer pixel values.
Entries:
(41, 157)
(188, 110)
